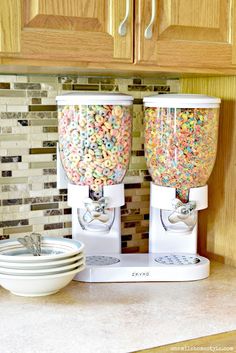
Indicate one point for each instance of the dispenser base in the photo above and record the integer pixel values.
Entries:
(155, 267)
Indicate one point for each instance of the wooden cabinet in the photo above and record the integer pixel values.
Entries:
(10, 24)
(77, 30)
(186, 34)
(194, 33)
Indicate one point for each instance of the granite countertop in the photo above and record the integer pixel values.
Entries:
(118, 317)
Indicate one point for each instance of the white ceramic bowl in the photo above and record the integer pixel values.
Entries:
(41, 272)
(41, 265)
(36, 286)
(52, 249)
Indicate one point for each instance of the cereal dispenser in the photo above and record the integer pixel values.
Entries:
(93, 156)
(180, 149)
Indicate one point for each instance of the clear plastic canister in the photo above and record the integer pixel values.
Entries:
(95, 134)
(95, 137)
(181, 140)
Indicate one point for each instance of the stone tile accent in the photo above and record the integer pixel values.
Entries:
(161, 88)
(140, 88)
(48, 108)
(83, 87)
(103, 80)
(28, 86)
(4, 85)
(17, 230)
(113, 88)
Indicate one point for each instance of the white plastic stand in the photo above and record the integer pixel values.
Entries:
(146, 268)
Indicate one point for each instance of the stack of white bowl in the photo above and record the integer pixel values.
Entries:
(24, 274)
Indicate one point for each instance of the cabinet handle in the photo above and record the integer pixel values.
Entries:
(148, 30)
(122, 27)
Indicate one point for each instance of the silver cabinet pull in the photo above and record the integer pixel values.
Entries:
(148, 30)
(122, 27)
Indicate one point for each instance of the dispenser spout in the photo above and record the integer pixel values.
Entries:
(183, 212)
(96, 210)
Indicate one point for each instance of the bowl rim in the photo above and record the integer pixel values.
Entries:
(32, 265)
(76, 243)
(41, 272)
(13, 244)
(33, 278)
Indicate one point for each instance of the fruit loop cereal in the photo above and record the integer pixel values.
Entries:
(180, 146)
(95, 143)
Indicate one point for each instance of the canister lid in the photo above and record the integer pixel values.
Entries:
(98, 98)
(182, 101)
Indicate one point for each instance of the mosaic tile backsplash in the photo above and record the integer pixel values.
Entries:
(29, 199)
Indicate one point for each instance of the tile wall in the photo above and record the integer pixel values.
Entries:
(29, 199)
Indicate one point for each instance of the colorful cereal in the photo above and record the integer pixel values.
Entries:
(95, 143)
(180, 146)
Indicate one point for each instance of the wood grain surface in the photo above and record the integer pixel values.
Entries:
(62, 30)
(10, 26)
(217, 224)
(188, 33)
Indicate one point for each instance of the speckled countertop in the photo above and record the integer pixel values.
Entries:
(118, 317)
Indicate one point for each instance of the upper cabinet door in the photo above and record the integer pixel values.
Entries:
(75, 30)
(10, 26)
(184, 33)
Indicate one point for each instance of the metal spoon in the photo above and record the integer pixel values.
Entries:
(37, 238)
(32, 243)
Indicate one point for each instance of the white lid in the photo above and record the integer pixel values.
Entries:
(88, 98)
(182, 101)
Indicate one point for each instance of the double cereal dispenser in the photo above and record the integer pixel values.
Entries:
(95, 133)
